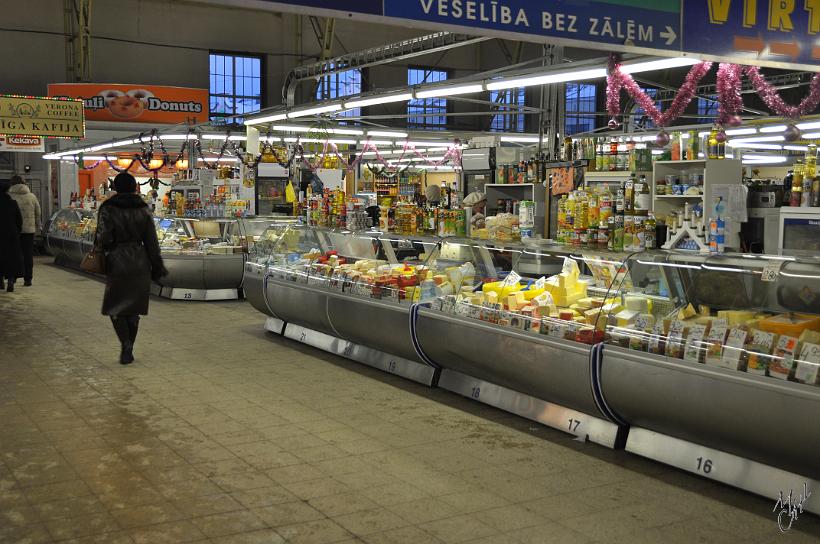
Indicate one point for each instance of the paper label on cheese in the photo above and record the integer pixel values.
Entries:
(570, 267)
(512, 279)
(759, 350)
(715, 340)
(733, 351)
(808, 365)
(783, 360)
(655, 339)
(674, 344)
(639, 339)
(541, 282)
(556, 329)
(694, 346)
(544, 299)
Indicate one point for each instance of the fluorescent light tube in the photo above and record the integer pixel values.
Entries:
(266, 119)
(740, 142)
(178, 136)
(796, 147)
(757, 146)
(660, 64)
(812, 124)
(290, 128)
(314, 111)
(450, 90)
(811, 136)
(545, 79)
(384, 99)
(773, 128)
(740, 131)
(387, 134)
(376, 142)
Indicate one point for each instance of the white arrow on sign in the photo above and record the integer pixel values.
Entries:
(669, 35)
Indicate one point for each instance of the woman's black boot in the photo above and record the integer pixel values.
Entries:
(124, 334)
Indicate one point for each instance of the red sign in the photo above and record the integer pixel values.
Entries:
(31, 144)
(137, 103)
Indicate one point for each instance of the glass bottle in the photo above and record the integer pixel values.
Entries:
(676, 141)
(712, 144)
(594, 210)
(797, 184)
(629, 195)
(643, 199)
(811, 162)
(650, 233)
(620, 200)
(605, 205)
(562, 218)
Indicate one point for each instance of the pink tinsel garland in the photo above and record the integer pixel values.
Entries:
(772, 98)
(618, 80)
(729, 99)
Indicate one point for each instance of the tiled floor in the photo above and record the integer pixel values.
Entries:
(223, 433)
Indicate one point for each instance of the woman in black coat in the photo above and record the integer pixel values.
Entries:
(128, 238)
(11, 255)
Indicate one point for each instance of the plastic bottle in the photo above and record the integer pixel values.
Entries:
(629, 195)
(594, 211)
(650, 234)
(570, 211)
(797, 184)
(562, 219)
(582, 211)
(605, 206)
(811, 162)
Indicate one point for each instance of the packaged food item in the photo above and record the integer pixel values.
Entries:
(674, 343)
(639, 340)
(808, 365)
(782, 364)
(790, 324)
(733, 352)
(759, 349)
(657, 342)
(693, 349)
(714, 342)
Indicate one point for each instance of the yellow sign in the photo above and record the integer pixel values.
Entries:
(38, 116)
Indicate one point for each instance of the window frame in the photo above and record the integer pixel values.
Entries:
(578, 114)
(520, 121)
(710, 104)
(327, 77)
(262, 84)
(427, 108)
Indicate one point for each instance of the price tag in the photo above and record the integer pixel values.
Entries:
(540, 282)
(544, 299)
(808, 366)
(512, 279)
(771, 270)
(733, 349)
(692, 350)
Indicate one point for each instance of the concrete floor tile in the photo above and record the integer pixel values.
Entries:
(264, 536)
(167, 533)
(323, 531)
(364, 522)
(287, 513)
(403, 535)
(228, 523)
(458, 529)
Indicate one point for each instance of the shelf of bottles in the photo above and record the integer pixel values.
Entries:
(404, 184)
(597, 217)
(612, 154)
(803, 183)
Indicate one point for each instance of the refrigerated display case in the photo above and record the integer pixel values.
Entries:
(71, 235)
(204, 257)
(259, 236)
(520, 332)
(714, 362)
(349, 293)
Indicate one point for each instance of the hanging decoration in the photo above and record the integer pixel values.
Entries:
(617, 80)
(771, 97)
(729, 99)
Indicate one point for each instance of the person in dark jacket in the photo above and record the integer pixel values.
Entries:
(128, 239)
(11, 222)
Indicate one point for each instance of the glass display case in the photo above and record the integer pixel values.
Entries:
(205, 258)
(260, 235)
(71, 235)
(187, 236)
(520, 321)
(353, 286)
(720, 351)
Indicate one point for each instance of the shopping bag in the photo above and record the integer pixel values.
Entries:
(290, 194)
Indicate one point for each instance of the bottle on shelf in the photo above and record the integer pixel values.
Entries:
(605, 205)
(629, 195)
(797, 184)
(594, 209)
(643, 199)
(650, 233)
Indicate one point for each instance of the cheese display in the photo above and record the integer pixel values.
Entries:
(767, 341)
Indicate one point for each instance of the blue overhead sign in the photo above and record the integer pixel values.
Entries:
(753, 30)
(618, 22)
(773, 32)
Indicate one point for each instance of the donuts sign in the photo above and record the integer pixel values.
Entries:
(137, 103)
